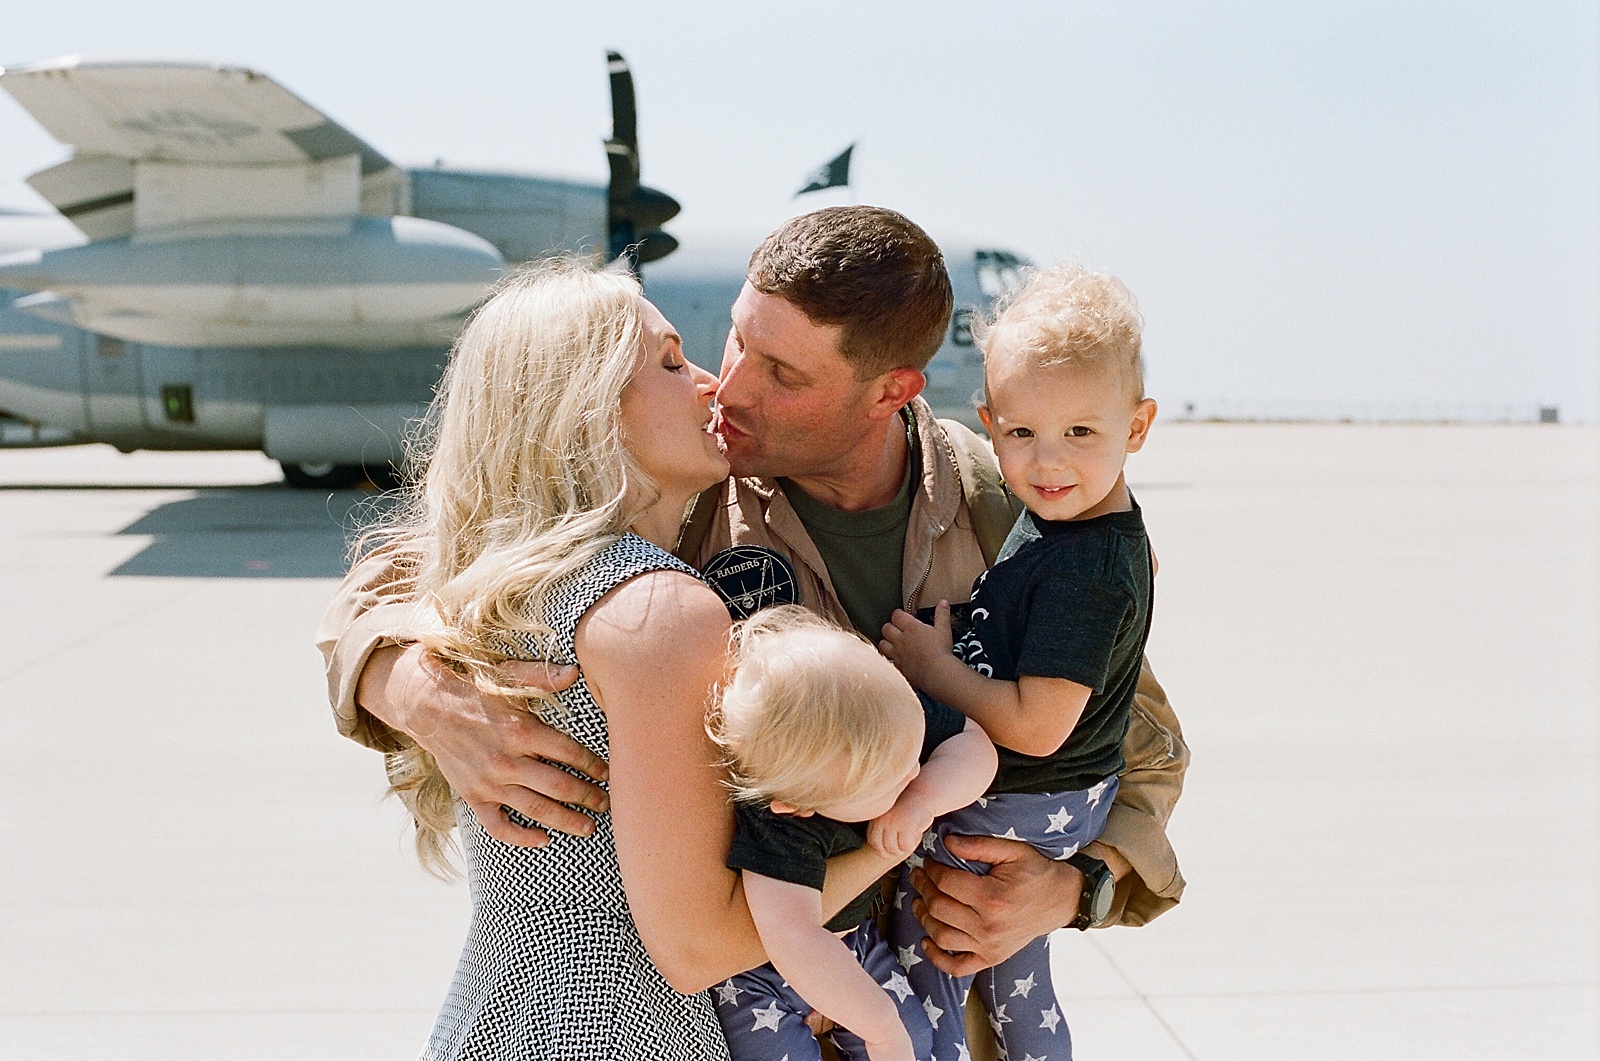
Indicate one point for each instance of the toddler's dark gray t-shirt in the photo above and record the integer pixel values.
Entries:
(1072, 603)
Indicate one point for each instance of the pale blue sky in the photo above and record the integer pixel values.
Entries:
(1359, 203)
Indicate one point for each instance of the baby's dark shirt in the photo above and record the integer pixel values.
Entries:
(1073, 603)
(790, 848)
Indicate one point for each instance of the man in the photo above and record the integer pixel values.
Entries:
(846, 497)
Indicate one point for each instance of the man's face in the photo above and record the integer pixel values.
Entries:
(789, 403)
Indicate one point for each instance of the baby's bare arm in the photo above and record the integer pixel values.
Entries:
(819, 967)
(958, 772)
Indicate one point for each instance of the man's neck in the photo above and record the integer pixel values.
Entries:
(867, 477)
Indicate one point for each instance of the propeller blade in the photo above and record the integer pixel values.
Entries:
(652, 209)
(624, 186)
(624, 114)
(634, 213)
(656, 245)
(622, 149)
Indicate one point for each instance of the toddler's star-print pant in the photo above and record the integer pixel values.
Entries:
(1017, 994)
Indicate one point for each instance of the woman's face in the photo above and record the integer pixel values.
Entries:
(666, 413)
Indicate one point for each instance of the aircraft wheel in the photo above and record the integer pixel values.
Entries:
(384, 476)
(321, 476)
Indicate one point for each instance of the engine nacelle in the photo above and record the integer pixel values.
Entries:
(372, 435)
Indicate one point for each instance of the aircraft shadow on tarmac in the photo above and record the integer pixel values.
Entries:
(266, 531)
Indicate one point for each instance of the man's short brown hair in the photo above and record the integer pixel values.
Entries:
(871, 271)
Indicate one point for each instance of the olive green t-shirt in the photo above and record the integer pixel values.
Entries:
(863, 551)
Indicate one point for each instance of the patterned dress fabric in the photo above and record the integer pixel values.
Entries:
(553, 968)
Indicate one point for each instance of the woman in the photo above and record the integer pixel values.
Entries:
(568, 438)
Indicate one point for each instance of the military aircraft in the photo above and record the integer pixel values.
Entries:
(231, 269)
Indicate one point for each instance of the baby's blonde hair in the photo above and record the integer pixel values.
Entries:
(810, 714)
(1068, 315)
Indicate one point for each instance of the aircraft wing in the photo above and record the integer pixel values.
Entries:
(158, 144)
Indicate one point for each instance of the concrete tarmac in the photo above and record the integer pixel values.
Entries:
(1382, 642)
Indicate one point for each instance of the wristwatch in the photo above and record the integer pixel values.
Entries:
(1099, 888)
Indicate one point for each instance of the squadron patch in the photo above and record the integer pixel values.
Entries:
(750, 578)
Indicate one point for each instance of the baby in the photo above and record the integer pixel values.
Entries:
(1048, 658)
(825, 743)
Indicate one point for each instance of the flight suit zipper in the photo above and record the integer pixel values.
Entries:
(927, 568)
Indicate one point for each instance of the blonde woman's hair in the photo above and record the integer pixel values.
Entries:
(1068, 315)
(524, 480)
(811, 714)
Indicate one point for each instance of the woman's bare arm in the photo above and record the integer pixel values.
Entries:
(652, 649)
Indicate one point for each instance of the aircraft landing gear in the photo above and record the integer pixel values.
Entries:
(322, 476)
(329, 476)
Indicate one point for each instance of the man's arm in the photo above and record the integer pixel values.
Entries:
(387, 692)
(974, 922)
(371, 609)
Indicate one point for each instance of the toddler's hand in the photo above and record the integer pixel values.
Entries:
(897, 833)
(914, 646)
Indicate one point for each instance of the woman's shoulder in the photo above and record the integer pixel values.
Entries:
(631, 555)
(657, 600)
(654, 610)
(626, 558)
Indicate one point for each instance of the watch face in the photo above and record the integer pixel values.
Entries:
(1100, 902)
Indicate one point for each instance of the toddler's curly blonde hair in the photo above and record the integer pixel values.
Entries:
(1069, 315)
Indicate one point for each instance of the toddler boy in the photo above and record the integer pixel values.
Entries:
(1047, 658)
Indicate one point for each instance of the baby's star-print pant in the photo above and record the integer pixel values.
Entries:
(763, 1018)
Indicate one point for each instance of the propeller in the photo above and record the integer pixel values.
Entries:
(634, 213)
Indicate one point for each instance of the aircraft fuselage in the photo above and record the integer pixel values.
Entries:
(316, 406)
(309, 405)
